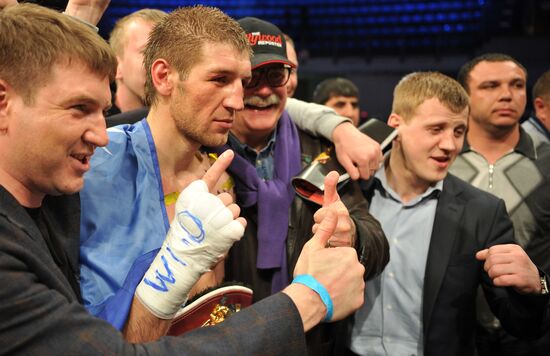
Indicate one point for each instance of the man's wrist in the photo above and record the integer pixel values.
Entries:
(339, 132)
(166, 284)
(76, 18)
(310, 282)
(309, 304)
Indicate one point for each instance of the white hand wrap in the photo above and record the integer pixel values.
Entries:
(202, 231)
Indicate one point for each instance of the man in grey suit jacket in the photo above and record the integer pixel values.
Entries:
(446, 238)
(54, 88)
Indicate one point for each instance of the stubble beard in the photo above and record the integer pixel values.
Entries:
(196, 134)
(189, 130)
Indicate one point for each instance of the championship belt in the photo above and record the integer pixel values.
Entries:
(210, 308)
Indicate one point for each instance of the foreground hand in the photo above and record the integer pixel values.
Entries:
(509, 266)
(357, 153)
(344, 234)
(203, 230)
(337, 269)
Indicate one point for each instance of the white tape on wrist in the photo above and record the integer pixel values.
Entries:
(202, 230)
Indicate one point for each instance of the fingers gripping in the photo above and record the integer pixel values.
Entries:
(325, 229)
(216, 220)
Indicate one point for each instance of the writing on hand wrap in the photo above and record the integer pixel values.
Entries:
(184, 219)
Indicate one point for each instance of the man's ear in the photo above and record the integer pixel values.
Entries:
(164, 77)
(5, 92)
(118, 75)
(540, 105)
(395, 120)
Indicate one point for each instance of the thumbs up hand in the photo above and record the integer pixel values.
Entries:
(337, 269)
(345, 232)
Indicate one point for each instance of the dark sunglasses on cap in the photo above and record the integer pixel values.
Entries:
(274, 76)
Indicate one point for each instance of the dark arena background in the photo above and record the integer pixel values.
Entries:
(376, 42)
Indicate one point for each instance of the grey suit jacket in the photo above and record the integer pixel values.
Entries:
(40, 313)
(468, 220)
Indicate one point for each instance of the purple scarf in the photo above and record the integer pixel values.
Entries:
(272, 197)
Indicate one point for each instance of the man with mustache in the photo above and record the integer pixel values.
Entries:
(500, 157)
(270, 150)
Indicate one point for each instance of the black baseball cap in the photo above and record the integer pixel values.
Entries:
(267, 41)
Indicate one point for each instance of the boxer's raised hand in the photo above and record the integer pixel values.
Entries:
(205, 226)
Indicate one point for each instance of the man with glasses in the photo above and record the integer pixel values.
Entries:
(270, 150)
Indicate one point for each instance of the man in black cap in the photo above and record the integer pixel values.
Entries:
(270, 150)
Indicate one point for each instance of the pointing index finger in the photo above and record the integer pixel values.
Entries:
(213, 174)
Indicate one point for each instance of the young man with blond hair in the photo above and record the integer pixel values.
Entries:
(446, 238)
(157, 156)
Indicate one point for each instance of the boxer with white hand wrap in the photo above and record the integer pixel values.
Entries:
(203, 230)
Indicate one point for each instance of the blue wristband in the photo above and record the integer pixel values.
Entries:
(309, 281)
